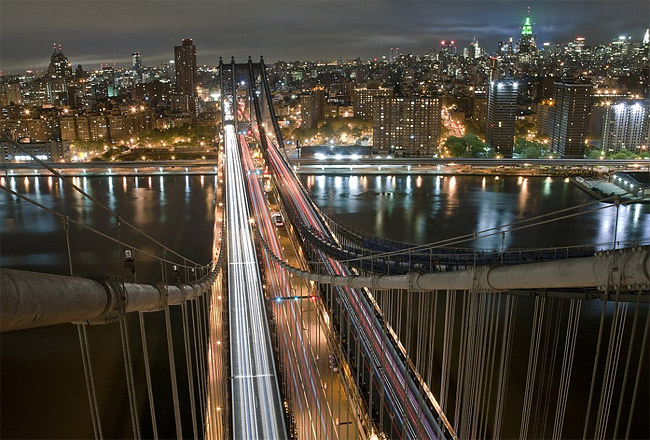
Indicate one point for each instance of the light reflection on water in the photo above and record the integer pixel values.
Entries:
(42, 377)
(440, 207)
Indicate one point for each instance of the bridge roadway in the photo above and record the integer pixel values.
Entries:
(407, 415)
(256, 403)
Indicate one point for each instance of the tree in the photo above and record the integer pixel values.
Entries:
(530, 149)
(523, 127)
(467, 146)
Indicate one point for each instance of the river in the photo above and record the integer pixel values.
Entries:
(43, 390)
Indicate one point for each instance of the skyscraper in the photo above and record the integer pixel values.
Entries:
(59, 66)
(501, 113)
(570, 117)
(527, 41)
(627, 125)
(406, 126)
(136, 66)
(185, 63)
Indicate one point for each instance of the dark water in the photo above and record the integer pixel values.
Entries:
(422, 209)
(42, 385)
(42, 381)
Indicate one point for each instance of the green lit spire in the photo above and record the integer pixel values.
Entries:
(527, 29)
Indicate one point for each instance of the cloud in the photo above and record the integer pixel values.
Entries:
(96, 31)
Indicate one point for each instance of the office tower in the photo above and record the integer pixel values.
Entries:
(363, 96)
(185, 64)
(474, 49)
(501, 113)
(627, 125)
(408, 127)
(136, 66)
(570, 118)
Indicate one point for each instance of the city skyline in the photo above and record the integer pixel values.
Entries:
(293, 31)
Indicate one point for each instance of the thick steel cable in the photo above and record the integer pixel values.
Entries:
(89, 197)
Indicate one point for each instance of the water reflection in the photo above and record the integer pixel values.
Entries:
(440, 208)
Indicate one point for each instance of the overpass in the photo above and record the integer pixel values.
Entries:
(334, 333)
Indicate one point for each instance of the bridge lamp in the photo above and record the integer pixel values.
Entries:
(160, 169)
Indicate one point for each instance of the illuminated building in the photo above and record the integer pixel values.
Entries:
(312, 107)
(570, 118)
(527, 41)
(407, 126)
(185, 63)
(363, 96)
(59, 66)
(627, 125)
(136, 66)
(501, 113)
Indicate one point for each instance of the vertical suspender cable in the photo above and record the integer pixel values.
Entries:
(85, 352)
(126, 349)
(147, 369)
(593, 374)
(627, 364)
(172, 362)
(638, 373)
(188, 364)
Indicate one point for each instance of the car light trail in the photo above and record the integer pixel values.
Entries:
(256, 404)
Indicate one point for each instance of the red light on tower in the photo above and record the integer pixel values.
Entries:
(442, 43)
(452, 42)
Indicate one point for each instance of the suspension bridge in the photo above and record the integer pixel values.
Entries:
(303, 327)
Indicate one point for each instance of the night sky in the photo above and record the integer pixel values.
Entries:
(99, 31)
